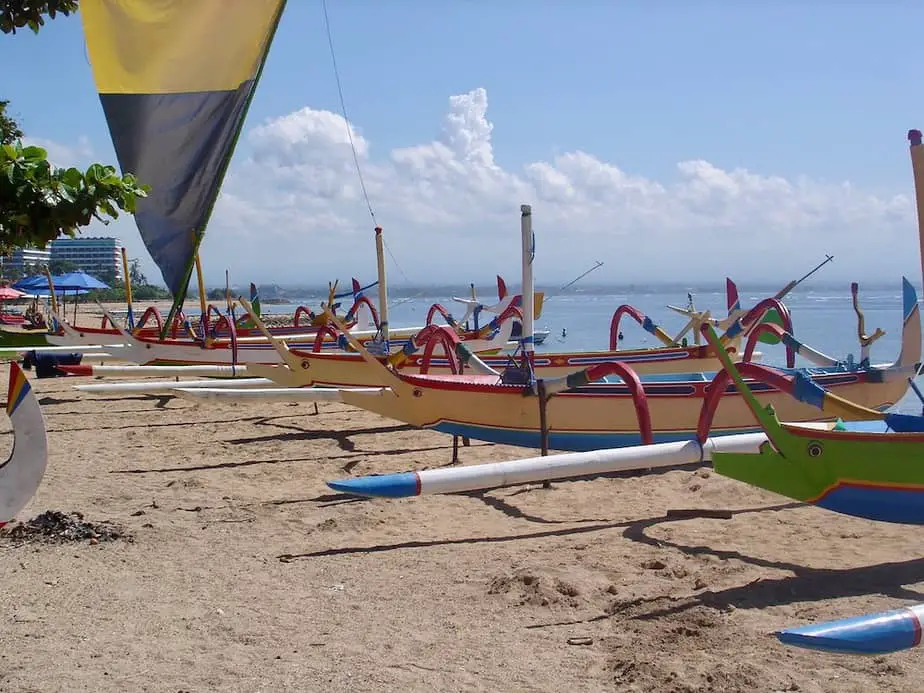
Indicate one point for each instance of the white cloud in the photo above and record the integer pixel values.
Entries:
(292, 209)
(62, 154)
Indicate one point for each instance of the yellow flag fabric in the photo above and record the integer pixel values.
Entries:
(175, 78)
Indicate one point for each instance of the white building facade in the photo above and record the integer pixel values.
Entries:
(96, 255)
(24, 260)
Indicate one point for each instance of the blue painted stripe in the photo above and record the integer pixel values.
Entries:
(735, 329)
(807, 390)
(400, 485)
(909, 299)
(569, 441)
(882, 503)
(871, 634)
(905, 423)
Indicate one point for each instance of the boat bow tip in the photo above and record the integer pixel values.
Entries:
(401, 485)
(869, 634)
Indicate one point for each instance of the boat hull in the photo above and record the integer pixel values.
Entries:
(16, 338)
(873, 475)
(600, 415)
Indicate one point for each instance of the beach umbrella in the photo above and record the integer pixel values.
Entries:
(36, 281)
(8, 293)
(37, 285)
(77, 283)
(74, 281)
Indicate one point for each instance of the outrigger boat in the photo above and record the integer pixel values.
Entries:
(307, 367)
(575, 413)
(213, 322)
(789, 459)
(419, 355)
(436, 351)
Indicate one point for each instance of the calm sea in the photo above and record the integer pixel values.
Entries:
(822, 315)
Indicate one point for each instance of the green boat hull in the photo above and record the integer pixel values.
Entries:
(10, 339)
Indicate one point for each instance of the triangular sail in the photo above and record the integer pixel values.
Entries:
(175, 79)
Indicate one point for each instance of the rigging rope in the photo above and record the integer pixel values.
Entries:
(349, 128)
(343, 110)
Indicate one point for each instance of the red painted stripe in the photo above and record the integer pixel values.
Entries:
(822, 434)
(865, 485)
(76, 370)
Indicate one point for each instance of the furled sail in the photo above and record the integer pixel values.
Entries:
(175, 79)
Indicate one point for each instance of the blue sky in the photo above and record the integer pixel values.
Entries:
(820, 92)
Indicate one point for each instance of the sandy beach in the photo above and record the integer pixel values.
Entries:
(240, 570)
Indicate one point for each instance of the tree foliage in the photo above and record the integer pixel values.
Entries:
(39, 201)
(140, 292)
(9, 128)
(135, 274)
(18, 14)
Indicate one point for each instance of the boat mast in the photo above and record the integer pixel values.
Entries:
(917, 170)
(528, 253)
(383, 288)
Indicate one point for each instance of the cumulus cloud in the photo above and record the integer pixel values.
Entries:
(62, 154)
(293, 209)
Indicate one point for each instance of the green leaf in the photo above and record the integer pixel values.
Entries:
(34, 153)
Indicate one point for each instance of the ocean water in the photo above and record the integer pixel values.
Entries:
(822, 316)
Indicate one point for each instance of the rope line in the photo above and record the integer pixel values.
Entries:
(343, 110)
(349, 128)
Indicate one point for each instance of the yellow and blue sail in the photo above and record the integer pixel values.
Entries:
(175, 79)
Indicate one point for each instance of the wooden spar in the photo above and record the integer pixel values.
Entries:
(696, 318)
(21, 474)
(597, 265)
(782, 293)
(51, 290)
(128, 288)
(228, 300)
(383, 286)
(528, 241)
(545, 468)
(202, 298)
(916, 150)
(162, 385)
(278, 394)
